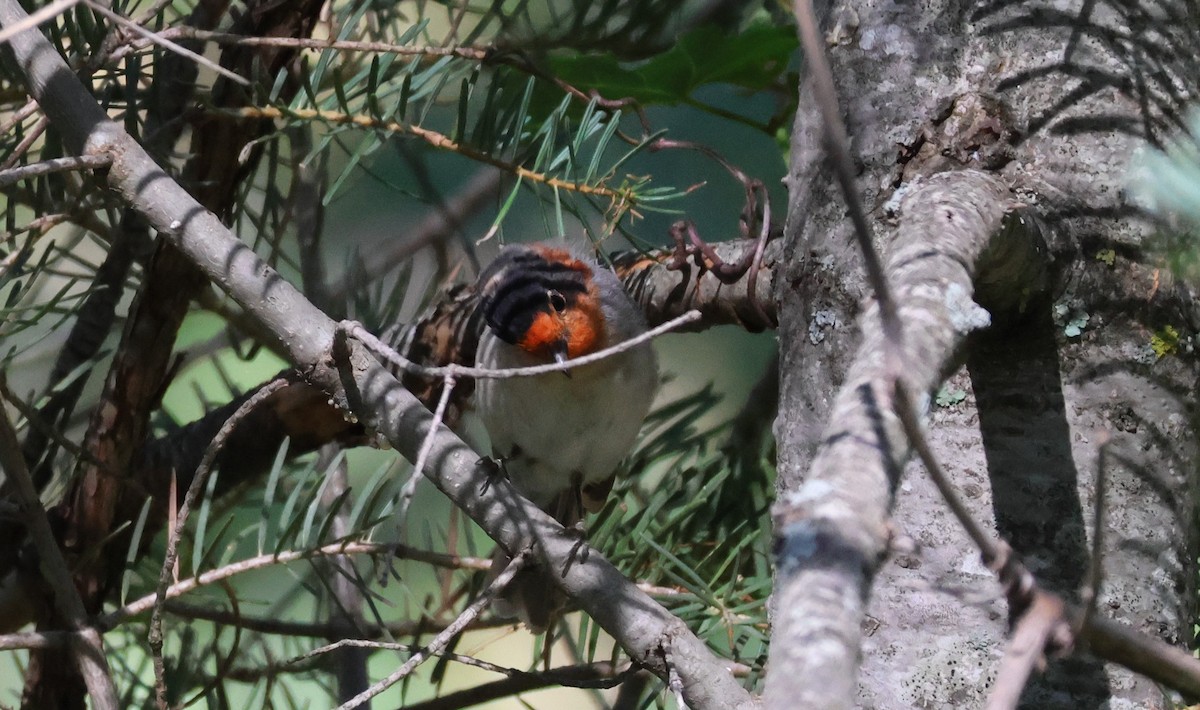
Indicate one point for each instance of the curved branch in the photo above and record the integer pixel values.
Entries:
(664, 292)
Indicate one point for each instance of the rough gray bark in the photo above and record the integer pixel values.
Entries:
(834, 530)
(1077, 86)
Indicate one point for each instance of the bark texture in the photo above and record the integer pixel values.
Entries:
(1055, 98)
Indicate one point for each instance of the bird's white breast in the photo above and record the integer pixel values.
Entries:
(562, 426)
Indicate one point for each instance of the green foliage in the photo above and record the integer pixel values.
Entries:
(1172, 175)
(1169, 183)
(754, 59)
(695, 520)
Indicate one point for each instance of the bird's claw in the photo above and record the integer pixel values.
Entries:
(495, 466)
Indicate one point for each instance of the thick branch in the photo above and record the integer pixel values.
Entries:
(665, 293)
(834, 530)
(651, 635)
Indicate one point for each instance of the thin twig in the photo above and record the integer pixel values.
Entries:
(88, 649)
(440, 641)
(166, 43)
(353, 328)
(1040, 626)
(18, 116)
(407, 647)
(36, 639)
(52, 10)
(477, 54)
(410, 486)
(278, 627)
(1142, 653)
(164, 578)
(438, 415)
(31, 136)
(146, 603)
(437, 140)
(45, 167)
(151, 12)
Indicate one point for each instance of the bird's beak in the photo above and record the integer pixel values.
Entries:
(560, 354)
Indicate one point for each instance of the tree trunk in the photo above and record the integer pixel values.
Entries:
(1056, 102)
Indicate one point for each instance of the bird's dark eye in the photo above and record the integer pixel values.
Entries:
(557, 301)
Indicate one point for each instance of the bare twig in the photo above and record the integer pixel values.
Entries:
(88, 649)
(172, 552)
(31, 136)
(52, 10)
(280, 627)
(166, 43)
(995, 554)
(36, 639)
(396, 359)
(439, 415)
(45, 167)
(147, 603)
(437, 140)
(408, 648)
(150, 12)
(410, 486)
(1041, 625)
(440, 641)
(16, 117)
(1141, 653)
(477, 54)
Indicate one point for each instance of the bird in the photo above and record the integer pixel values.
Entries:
(559, 436)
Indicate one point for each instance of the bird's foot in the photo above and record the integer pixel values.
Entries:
(495, 468)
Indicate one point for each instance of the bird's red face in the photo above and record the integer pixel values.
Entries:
(571, 333)
(543, 301)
